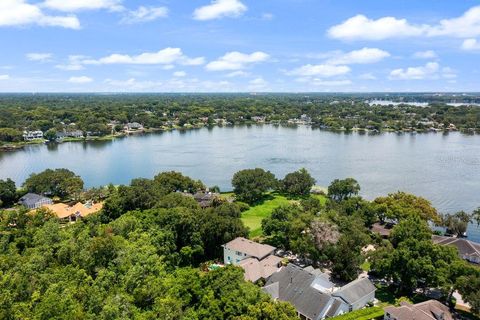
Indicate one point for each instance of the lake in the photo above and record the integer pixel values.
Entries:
(444, 168)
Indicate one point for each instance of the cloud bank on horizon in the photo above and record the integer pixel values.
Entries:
(238, 46)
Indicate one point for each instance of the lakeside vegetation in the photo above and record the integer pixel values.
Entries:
(146, 254)
(104, 116)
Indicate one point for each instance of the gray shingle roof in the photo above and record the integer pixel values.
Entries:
(355, 290)
(294, 286)
(249, 247)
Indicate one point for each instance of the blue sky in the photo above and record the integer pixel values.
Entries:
(239, 45)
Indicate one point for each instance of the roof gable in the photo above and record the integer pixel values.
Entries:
(249, 247)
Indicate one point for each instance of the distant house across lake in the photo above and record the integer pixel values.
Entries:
(32, 135)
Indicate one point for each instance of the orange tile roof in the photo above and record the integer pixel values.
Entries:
(62, 210)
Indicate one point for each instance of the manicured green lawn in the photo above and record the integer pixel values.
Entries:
(362, 314)
(253, 217)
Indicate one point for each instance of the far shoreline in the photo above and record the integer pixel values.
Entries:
(18, 146)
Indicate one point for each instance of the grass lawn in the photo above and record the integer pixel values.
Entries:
(253, 217)
(362, 314)
(365, 266)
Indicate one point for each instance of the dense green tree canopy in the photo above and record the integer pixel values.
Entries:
(298, 183)
(62, 183)
(402, 205)
(251, 184)
(340, 190)
(8, 192)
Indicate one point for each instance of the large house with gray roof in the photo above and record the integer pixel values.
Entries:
(314, 296)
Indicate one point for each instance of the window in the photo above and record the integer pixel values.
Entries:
(238, 253)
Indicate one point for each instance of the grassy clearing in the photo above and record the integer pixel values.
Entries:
(253, 217)
(365, 266)
(363, 314)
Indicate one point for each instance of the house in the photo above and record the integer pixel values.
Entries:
(256, 259)
(240, 249)
(133, 126)
(428, 310)
(314, 296)
(73, 213)
(71, 134)
(205, 199)
(75, 134)
(34, 201)
(467, 249)
(32, 135)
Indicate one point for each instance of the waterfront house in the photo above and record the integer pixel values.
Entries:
(240, 249)
(428, 310)
(256, 259)
(467, 249)
(133, 126)
(314, 296)
(70, 134)
(73, 213)
(34, 201)
(32, 135)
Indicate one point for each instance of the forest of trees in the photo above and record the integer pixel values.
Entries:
(93, 113)
(146, 254)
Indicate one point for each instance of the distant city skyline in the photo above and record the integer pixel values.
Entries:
(239, 46)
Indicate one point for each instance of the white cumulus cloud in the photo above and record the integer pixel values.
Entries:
(145, 14)
(236, 61)
(42, 57)
(360, 27)
(430, 70)
(471, 44)
(4, 77)
(220, 9)
(166, 56)
(78, 5)
(20, 13)
(80, 80)
(362, 56)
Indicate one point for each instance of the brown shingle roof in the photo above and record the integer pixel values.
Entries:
(256, 270)
(254, 249)
(464, 246)
(428, 310)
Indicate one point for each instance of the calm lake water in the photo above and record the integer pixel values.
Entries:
(443, 168)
